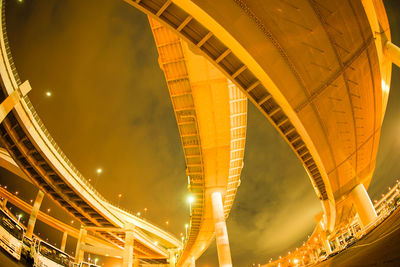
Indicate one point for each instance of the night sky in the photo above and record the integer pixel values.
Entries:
(110, 109)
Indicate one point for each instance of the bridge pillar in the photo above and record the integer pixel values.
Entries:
(79, 253)
(172, 259)
(337, 242)
(192, 262)
(13, 99)
(64, 241)
(221, 233)
(363, 204)
(325, 242)
(34, 213)
(136, 262)
(128, 249)
(393, 52)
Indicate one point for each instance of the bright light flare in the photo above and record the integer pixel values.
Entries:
(385, 87)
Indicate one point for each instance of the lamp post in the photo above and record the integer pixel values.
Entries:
(119, 198)
(98, 171)
(190, 199)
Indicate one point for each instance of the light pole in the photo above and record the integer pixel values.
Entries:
(186, 229)
(190, 199)
(19, 217)
(145, 211)
(119, 198)
(98, 171)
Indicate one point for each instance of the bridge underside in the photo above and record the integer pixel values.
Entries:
(314, 68)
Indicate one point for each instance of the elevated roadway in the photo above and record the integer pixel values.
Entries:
(211, 114)
(56, 224)
(143, 232)
(318, 70)
(43, 162)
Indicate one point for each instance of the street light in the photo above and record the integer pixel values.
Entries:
(19, 217)
(48, 93)
(98, 171)
(190, 200)
(119, 198)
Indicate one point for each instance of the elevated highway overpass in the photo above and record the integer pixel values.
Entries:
(43, 162)
(56, 224)
(211, 114)
(318, 70)
(95, 242)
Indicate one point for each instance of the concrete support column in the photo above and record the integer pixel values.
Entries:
(221, 233)
(64, 241)
(34, 213)
(136, 262)
(79, 253)
(172, 259)
(192, 262)
(393, 52)
(4, 203)
(350, 231)
(325, 243)
(337, 242)
(128, 249)
(363, 204)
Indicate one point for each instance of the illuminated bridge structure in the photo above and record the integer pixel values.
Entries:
(43, 162)
(211, 114)
(95, 242)
(318, 70)
(91, 240)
